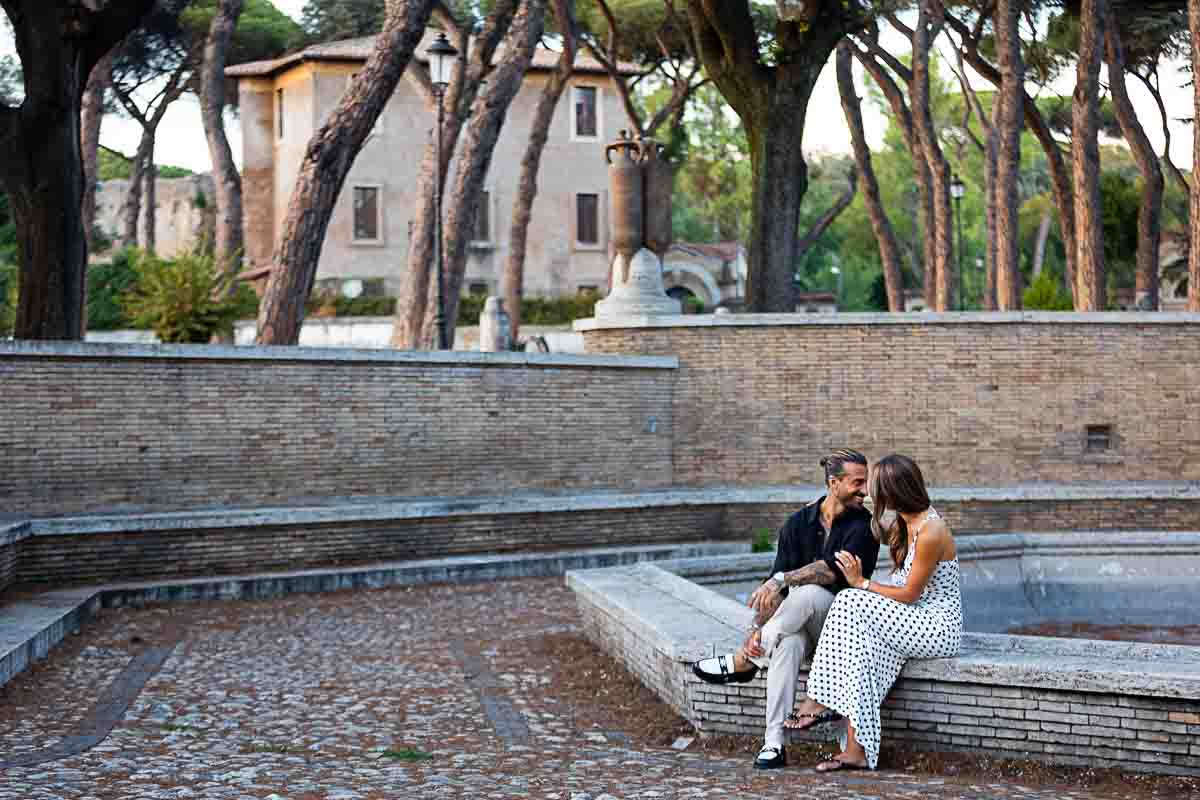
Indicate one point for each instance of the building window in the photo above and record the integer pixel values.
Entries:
(279, 113)
(1099, 439)
(587, 219)
(367, 214)
(585, 119)
(483, 219)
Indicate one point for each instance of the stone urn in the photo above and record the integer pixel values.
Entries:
(658, 181)
(625, 190)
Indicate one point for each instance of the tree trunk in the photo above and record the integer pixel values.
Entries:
(1060, 178)
(889, 250)
(473, 64)
(922, 177)
(322, 172)
(475, 158)
(772, 102)
(1039, 251)
(1008, 156)
(929, 22)
(1085, 166)
(42, 170)
(91, 115)
(990, 156)
(133, 196)
(1193, 303)
(1153, 184)
(149, 224)
(512, 280)
(227, 183)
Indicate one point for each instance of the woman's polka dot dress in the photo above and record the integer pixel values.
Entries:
(867, 638)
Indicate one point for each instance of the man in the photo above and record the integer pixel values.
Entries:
(790, 606)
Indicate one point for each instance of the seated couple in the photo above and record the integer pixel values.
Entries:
(863, 630)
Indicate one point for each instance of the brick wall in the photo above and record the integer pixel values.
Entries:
(1065, 727)
(991, 516)
(8, 565)
(994, 400)
(98, 558)
(104, 427)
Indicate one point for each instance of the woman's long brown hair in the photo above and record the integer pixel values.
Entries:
(897, 484)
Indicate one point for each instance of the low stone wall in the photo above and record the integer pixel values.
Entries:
(1067, 701)
(152, 552)
(976, 399)
(227, 541)
(11, 534)
(102, 428)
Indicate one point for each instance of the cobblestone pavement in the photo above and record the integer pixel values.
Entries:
(396, 693)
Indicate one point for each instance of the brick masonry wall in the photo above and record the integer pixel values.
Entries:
(1066, 727)
(97, 558)
(110, 431)
(976, 404)
(8, 564)
(743, 521)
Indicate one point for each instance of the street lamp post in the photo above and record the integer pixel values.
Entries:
(838, 272)
(957, 190)
(441, 61)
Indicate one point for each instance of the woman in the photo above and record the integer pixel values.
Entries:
(873, 628)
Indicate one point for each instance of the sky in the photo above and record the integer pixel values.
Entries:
(181, 137)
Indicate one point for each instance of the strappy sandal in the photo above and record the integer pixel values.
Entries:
(802, 722)
(836, 764)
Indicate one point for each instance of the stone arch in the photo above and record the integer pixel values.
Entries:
(696, 280)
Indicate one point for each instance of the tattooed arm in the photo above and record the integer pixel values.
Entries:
(817, 572)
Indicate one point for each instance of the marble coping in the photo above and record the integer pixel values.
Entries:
(886, 318)
(13, 531)
(206, 352)
(349, 509)
(687, 622)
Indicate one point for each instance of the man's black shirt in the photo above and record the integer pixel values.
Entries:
(802, 541)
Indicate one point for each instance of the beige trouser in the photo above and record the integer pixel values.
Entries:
(788, 638)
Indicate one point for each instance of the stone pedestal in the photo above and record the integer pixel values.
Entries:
(641, 293)
(495, 326)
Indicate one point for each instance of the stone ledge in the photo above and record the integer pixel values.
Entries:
(31, 627)
(691, 621)
(204, 352)
(350, 510)
(920, 318)
(13, 531)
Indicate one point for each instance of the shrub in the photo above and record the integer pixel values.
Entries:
(107, 283)
(764, 541)
(8, 298)
(177, 298)
(1045, 294)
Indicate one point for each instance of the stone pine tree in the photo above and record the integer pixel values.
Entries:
(769, 89)
(512, 280)
(322, 172)
(1193, 301)
(480, 135)
(58, 44)
(1085, 162)
(474, 63)
(227, 183)
(889, 249)
(90, 117)
(1005, 191)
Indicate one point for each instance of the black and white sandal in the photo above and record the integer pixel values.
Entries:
(720, 669)
(770, 757)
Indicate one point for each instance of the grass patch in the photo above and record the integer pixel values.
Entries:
(407, 755)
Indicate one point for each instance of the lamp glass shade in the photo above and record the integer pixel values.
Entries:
(441, 60)
(957, 188)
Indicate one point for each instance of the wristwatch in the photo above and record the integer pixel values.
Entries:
(778, 578)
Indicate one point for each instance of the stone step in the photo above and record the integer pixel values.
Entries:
(30, 627)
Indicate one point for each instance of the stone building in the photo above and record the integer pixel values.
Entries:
(284, 100)
(184, 213)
